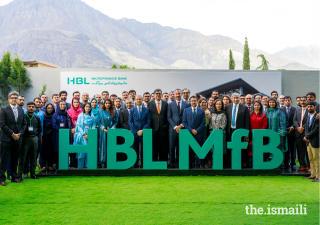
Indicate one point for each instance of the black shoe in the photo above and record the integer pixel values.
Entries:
(34, 177)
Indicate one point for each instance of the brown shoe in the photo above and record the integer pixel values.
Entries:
(316, 180)
(17, 181)
(310, 177)
(302, 168)
(2, 183)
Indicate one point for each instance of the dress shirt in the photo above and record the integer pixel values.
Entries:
(180, 112)
(159, 104)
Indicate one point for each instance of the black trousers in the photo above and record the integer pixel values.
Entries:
(13, 149)
(227, 157)
(174, 148)
(302, 151)
(29, 144)
(138, 145)
(159, 152)
(47, 150)
(290, 155)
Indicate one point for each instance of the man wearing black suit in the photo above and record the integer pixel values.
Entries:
(118, 108)
(291, 153)
(248, 101)
(311, 137)
(311, 97)
(13, 125)
(175, 114)
(159, 125)
(237, 118)
(299, 120)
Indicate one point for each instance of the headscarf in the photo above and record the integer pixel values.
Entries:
(95, 111)
(59, 111)
(46, 114)
(74, 113)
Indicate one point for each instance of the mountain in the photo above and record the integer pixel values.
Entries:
(71, 34)
(308, 55)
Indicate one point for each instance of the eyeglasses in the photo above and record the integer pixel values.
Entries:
(185, 92)
(13, 97)
(157, 93)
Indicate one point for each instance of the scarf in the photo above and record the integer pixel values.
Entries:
(88, 120)
(95, 111)
(46, 114)
(74, 113)
(59, 111)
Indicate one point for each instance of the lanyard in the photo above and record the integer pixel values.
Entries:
(38, 113)
(61, 119)
(29, 118)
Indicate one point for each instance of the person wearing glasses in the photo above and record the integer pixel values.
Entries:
(13, 124)
(185, 94)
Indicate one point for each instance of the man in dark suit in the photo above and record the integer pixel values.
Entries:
(291, 153)
(311, 137)
(299, 120)
(139, 119)
(175, 114)
(118, 108)
(311, 97)
(194, 119)
(13, 125)
(159, 125)
(237, 118)
(249, 105)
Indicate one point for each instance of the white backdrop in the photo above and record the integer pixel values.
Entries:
(116, 81)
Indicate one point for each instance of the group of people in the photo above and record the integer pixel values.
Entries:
(32, 133)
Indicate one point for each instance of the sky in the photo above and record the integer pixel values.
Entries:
(269, 25)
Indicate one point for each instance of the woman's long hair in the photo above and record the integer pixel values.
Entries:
(222, 104)
(261, 108)
(111, 111)
(84, 105)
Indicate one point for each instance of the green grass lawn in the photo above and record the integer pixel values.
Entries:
(156, 200)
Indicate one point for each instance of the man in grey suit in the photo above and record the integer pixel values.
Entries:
(237, 118)
(174, 116)
(299, 121)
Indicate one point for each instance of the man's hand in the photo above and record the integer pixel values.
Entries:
(140, 132)
(41, 139)
(305, 139)
(105, 130)
(246, 139)
(290, 130)
(16, 137)
(300, 130)
(194, 132)
(178, 128)
(318, 116)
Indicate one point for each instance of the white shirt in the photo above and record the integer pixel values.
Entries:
(180, 111)
(311, 116)
(235, 121)
(159, 104)
(193, 109)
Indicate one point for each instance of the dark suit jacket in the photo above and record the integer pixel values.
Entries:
(134, 121)
(243, 117)
(189, 123)
(115, 111)
(297, 120)
(174, 118)
(8, 124)
(159, 122)
(124, 119)
(291, 115)
(312, 132)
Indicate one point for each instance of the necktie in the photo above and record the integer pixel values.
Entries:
(288, 112)
(118, 110)
(194, 114)
(139, 113)
(310, 120)
(179, 107)
(302, 114)
(15, 113)
(234, 116)
(249, 108)
(158, 107)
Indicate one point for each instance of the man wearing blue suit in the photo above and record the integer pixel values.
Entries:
(139, 119)
(194, 120)
(175, 114)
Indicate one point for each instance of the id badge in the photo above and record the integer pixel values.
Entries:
(61, 124)
(87, 127)
(30, 129)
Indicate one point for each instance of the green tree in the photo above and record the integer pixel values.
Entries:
(232, 63)
(246, 59)
(124, 67)
(43, 91)
(18, 78)
(114, 66)
(264, 65)
(5, 73)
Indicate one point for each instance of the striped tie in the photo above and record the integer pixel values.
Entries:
(15, 113)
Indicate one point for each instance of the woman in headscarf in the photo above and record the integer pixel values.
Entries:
(277, 122)
(47, 138)
(73, 114)
(85, 122)
(96, 113)
(109, 120)
(59, 121)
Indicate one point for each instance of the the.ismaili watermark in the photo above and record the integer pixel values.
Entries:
(299, 209)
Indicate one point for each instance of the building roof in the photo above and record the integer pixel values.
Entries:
(231, 85)
(41, 62)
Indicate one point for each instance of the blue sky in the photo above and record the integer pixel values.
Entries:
(269, 25)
